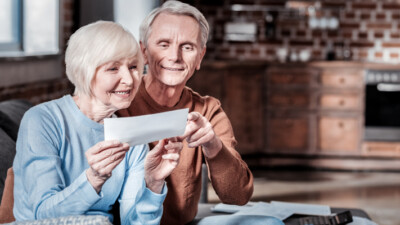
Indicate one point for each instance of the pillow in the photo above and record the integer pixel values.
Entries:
(78, 219)
(15, 109)
(7, 154)
(9, 126)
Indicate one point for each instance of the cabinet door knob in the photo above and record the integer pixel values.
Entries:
(342, 102)
(341, 124)
(342, 80)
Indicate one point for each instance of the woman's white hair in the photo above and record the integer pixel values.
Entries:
(176, 8)
(94, 45)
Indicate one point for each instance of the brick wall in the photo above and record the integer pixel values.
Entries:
(38, 92)
(368, 30)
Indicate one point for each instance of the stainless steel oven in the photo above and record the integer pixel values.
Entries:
(382, 105)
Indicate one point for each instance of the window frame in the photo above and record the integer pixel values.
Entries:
(17, 15)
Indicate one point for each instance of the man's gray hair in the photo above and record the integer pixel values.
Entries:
(176, 8)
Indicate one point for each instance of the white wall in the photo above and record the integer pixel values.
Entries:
(130, 13)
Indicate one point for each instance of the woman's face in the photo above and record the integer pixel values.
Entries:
(115, 83)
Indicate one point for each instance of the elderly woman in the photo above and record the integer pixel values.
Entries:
(64, 167)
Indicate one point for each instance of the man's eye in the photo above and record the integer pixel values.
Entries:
(163, 45)
(113, 69)
(187, 47)
(133, 67)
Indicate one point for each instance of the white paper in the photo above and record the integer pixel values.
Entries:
(300, 208)
(227, 208)
(280, 210)
(145, 129)
(264, 209)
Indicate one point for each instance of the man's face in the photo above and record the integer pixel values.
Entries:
(174, 49)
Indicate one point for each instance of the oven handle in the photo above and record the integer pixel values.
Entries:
(388, 87)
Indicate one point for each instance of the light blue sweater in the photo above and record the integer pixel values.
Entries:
(50, 170)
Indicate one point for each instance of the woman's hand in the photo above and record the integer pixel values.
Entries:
(160, 162)
(103, 158)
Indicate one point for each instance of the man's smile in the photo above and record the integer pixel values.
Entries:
(172, 68)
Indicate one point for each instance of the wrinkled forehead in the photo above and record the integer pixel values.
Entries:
(172, 24)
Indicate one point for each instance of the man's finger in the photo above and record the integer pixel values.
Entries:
(191, 127)
(193, 116)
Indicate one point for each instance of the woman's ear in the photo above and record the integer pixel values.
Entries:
(144, 53)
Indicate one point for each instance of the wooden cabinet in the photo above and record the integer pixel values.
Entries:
(289, 101)
(340, 110)
(296, 114)
(287, 134)
(339, 134)
(240, 88)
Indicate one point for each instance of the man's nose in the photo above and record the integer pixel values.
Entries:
(174, 53)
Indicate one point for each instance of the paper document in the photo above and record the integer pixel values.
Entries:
(145, 129)
(301, 208)
(280, 210)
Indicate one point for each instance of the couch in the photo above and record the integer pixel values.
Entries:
(11, 112)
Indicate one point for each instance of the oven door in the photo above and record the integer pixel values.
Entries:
(382, 107)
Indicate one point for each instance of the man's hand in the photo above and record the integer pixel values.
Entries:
(160, 162)
(200, 132)
(103, 158)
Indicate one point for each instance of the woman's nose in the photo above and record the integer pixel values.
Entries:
(126, 76)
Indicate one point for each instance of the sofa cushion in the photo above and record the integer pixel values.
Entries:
(14, 110)
(78, 219)
(7, 153)
(9, 126)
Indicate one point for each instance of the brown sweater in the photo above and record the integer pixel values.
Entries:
(229, 174)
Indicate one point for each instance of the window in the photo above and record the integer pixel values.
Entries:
(25, 29)
(30, 41)
(10, 25)
(130, 13)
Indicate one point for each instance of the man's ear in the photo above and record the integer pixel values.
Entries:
(144, 52)
(203, 52)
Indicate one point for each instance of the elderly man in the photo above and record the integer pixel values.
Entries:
(173, 41)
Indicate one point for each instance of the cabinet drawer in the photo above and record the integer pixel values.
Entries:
(244, 107)
(339, 134)
(292, 76)
(292, 99)
(289, 79)
(288, 134)
(340, 101)
(342, 78)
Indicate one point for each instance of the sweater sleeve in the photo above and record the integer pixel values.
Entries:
(138, 204)
(39, 166)
(229, 174)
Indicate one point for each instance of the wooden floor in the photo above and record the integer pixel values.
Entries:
(377, 193)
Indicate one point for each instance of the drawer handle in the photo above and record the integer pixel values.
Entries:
(342, 102)
(342, 80)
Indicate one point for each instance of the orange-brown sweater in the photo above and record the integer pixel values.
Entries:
(231, 178)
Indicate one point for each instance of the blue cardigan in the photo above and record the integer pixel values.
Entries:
(50, 170)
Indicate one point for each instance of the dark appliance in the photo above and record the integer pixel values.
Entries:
(382, 105)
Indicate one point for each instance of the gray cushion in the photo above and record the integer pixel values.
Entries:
(9, 126)
(79, 219)
(7, 154)
(15, 109)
